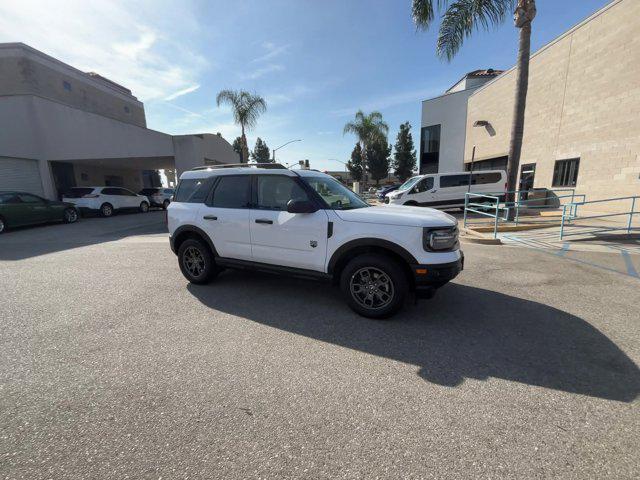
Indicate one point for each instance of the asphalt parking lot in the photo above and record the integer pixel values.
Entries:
(112, 367)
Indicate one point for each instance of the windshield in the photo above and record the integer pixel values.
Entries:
(335, 194)
(409, 183)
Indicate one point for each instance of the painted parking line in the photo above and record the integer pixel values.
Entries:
(564, 250)
(631, 269)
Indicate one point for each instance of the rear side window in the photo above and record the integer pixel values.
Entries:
(448, 181)
(231, 191)
(78, 192)
(485, 178)
(193, 190)
(168, 191)
(111, 191)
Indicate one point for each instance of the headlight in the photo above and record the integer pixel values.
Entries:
(397, 195)
(440, 238)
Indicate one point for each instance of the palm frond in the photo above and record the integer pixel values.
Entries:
(423, 11)
(246, 107)
(464, 16)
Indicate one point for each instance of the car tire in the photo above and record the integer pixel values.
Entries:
(374, 285)
(3, 226)
(70, 215)
(165, 204)
(106, 210)
(144, 207)
(196, 262)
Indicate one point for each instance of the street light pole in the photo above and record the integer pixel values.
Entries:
(283, 145)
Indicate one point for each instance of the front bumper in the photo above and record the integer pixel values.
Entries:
(427, 278)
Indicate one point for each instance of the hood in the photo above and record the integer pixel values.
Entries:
(399, 215)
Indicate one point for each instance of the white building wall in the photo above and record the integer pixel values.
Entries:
(449, 111)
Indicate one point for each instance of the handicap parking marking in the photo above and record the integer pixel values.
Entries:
(562, 253)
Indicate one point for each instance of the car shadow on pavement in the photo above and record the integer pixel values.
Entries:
(33, 241)
(464, 332)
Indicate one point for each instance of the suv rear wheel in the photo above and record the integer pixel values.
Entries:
(374, 285)
(196, 262)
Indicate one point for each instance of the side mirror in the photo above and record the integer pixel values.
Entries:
(301, 206)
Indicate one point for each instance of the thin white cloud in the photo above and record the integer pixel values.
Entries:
(391, 100)
(182, 92)
(272, 51)
(281, 98)
(131, 46)
(261, 72)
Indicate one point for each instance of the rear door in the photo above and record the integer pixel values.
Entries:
(297, 240)
(225, 216)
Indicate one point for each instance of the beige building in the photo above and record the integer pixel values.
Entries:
(582, 125)
(61, 127)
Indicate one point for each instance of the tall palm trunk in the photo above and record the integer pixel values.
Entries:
(245, 148)
(524, 15)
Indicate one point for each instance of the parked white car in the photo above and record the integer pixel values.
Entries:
(105, 200)
(308, 224)
(158, 196)
(447, 190)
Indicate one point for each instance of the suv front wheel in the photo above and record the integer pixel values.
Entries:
(196, 262)
(375, 286)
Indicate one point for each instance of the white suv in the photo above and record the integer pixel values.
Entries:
(306, 223)
(105, 200)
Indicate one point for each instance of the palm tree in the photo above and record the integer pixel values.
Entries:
(368, 129)
(460, 19)
(246, 108)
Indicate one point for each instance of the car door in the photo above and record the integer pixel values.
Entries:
(297, 240)
(112, 195)
(130, 199)
(422, 192)
(225, 216)
(33, 208)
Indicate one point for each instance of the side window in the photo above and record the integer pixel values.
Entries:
(110, 191)
(424, 185)
(485, 178)
(231, 191)
(168, 191)
(448, 181)
(26, 198)
(275, 191)
(193, 190)
(126, 193)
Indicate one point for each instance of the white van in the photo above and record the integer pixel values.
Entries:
(447, 190)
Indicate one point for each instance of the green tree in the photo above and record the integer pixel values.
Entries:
(355, 165)
(461, 18)
(404, 158)
(260, 152)
(246, 108)
(377, 158)
(237, 147)
(368, 129)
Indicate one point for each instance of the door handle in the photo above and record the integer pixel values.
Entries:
(210, 217)
(265, 221)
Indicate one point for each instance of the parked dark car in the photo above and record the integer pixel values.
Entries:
(18, 209)
(382, 192)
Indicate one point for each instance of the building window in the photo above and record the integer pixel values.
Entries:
(66, 85)
(126, 109)
(430, 149)
(565, 173)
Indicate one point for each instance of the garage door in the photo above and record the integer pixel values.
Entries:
(20, 174)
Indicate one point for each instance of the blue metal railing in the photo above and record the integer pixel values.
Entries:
(494, 207)
(573, 214)
(493, 204)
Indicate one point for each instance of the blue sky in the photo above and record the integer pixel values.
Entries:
(315, 62)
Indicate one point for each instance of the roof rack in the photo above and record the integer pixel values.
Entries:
(277, 166)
